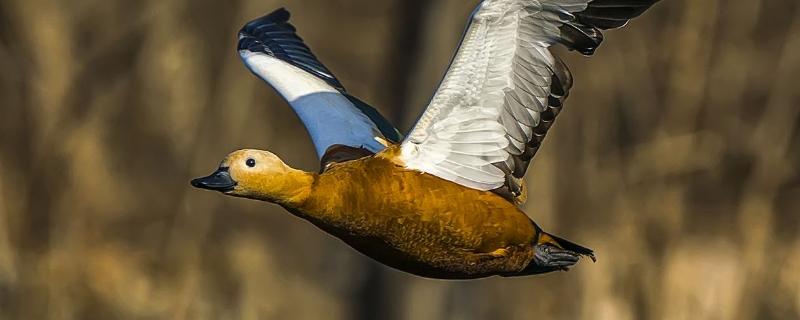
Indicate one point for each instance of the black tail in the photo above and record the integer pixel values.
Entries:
(567, 245)
(553, 254)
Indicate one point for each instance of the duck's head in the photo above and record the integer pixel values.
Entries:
(259, 175)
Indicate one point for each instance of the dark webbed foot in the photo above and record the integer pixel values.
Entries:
(551, 258)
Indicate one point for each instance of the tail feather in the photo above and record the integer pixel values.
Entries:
(553, 254)
(568, 245)
(571, 246)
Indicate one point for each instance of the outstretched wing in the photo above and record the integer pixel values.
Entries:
(504, 88)
(272, 50)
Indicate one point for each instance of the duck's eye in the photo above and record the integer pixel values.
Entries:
(250, 163)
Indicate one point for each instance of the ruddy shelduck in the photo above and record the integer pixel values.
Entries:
(442, 201)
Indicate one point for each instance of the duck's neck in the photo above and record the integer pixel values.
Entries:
(290, 190)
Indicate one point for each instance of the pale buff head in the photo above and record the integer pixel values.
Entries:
(256, 174)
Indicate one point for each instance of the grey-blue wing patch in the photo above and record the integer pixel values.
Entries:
(386, 128)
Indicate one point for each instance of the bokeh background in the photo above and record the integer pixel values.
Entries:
(676, 160)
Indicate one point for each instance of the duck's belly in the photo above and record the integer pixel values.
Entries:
(430, 227)
(433, 263)
(429, 254)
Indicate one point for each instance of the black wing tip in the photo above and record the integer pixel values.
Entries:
(584, 39)
(612, 14)
(584, 34)
(272, 34)
(622, 3)
(280, 15)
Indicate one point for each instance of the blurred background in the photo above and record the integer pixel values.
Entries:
(676, 160)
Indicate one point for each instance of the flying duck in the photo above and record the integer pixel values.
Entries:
(441, 202)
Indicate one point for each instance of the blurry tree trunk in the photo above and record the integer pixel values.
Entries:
(408, 30)
(373, 299)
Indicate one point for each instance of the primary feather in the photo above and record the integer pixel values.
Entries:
(504, 88)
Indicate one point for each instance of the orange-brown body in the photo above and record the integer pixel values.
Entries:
(406, 219)
(417, 222)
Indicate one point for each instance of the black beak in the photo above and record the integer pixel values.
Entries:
(218, 181)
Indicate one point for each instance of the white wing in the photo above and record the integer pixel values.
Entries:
(273, 51)
(504, 88)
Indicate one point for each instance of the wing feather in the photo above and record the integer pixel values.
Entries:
(504, 88)
(271, 49)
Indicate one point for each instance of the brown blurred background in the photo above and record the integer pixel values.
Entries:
(676, 160)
